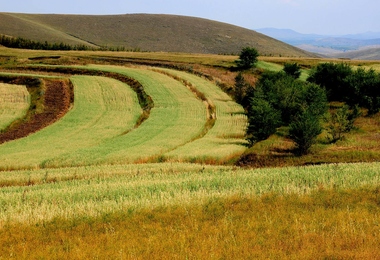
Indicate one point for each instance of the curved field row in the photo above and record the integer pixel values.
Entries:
(103, 108)
(14, 102)
(226, 138)
(176, 129)
(99, 190)
(176, 118)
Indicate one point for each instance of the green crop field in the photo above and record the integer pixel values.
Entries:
(103, 108)
(226, 138)
(14, 102)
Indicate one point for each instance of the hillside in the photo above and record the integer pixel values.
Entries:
(364, 54)
(146, 32)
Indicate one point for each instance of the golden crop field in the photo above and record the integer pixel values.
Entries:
(14, 101)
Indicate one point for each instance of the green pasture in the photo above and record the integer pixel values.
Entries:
(103, 108)
(14, 103)
(97, 190)
(176, 118)
(226, 138)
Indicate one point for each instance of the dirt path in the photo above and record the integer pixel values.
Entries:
(57, 100)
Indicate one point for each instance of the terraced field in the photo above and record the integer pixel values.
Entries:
(14, 101)
(100, 127)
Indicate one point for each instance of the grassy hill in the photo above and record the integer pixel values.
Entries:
(147, 32)
(364, 54)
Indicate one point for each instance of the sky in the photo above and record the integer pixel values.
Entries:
(328, 17)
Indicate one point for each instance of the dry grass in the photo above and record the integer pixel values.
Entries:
(14, 103)
(326, 224)
(147, 32)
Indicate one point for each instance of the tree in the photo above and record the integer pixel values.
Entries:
(263, 120)
(331, 77)
(364, 89)
(247, 58)
(240, 88)
(292, 69)
(304, 131)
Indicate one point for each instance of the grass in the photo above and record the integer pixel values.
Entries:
(176, 118)
(146, 32)
(71, 193)
(192, 211)
(14, 102)
(99, 113)
(226, 138)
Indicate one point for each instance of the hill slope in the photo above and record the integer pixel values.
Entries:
(148, 32)
(364, 54)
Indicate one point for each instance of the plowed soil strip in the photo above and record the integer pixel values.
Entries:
(57, 99)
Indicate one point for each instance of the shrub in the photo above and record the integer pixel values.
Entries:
(292, 69)
(341, 121)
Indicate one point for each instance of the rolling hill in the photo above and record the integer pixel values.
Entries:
(146, 32)
(363, 54)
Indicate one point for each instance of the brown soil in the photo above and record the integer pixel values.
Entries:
(57, 99)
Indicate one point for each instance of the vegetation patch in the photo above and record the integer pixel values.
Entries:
(14, 102)
(50, 99)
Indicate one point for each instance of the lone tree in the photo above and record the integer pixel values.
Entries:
(247, 58)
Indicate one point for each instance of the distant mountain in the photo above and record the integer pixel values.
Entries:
(328, 45)
(363, 36)
(290, 36)
(147, 32)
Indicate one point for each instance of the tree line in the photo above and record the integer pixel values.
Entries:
(281, 99)
(22, 43)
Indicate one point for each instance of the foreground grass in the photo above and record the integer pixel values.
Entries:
(14, 102)
(162, 211)
(39, 196)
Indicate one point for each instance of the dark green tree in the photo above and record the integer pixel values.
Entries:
(332, 77)
(263, 120)
(247, 58)
(304, 130)
(240, 88)
(364, 89)
(292, 69)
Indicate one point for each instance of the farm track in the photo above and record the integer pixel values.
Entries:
(57, 100)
